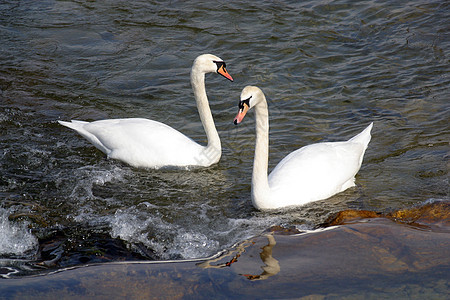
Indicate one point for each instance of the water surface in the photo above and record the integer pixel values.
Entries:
(328, 69)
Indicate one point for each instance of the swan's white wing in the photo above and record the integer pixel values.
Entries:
(315, 172)
(140, 142)
(318, 171)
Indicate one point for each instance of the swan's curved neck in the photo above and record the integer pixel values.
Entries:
(260, 183)
(213, 150)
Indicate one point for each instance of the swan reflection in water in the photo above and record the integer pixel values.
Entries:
(271, 266)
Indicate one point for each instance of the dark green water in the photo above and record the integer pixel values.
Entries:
(328, 69)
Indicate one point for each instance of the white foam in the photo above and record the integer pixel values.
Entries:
(89, 176)
(170, 230)
(187, 238)
(16, 238)
(137, 227)
(130, 227)
(192, 245)
(81, 192)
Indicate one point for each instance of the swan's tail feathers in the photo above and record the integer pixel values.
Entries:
(78, 127)
(75, 125)
(363, 137)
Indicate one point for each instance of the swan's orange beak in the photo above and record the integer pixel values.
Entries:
(243, 109)
(222, 71)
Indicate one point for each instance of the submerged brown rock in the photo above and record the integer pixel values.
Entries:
(436, 213)
(350, 215)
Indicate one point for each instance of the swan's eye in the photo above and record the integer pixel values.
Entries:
(242, 102)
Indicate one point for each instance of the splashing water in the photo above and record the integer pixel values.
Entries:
(16, 239)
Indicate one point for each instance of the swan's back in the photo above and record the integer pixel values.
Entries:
(318, 171)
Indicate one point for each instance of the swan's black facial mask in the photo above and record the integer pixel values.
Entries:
(244, 106)
(242, 102)
(221, 69)
(219, 64)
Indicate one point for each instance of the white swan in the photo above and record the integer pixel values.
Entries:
(151, 144)
(311, 173)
